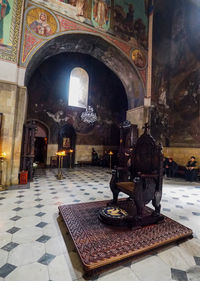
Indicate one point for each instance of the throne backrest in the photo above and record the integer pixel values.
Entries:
(147, 156)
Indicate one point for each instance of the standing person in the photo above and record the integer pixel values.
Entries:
(171, 168)
(4, 10)
(191, 172)
(94, 157)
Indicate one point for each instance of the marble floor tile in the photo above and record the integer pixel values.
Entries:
(152, 269)
(30, 272)
(176, 257)
(3, 257)
(58, 269)
(5, 238)
(26, 253)
(122, 274)
(27, 235)
(35, 215)
(193, 274)
(28, 221)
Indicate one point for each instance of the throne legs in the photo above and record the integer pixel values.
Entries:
(156, 202)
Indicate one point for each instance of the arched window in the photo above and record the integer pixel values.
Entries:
(78, 87)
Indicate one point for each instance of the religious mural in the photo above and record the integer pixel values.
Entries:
(101, 14)
(175, 113)
(41, 22)
(10, 16)
(130, 20)
(127, 20)
(5, 21)
(138, 58)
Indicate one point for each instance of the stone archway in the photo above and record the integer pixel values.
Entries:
(100, 49)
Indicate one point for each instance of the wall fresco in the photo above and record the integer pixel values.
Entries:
(101, 14)
(57, 23)
(139, 58)
(127, 20)
(176, 75)
(5, 20)
(41, 22)
(10, 16)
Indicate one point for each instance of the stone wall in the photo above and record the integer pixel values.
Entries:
(138, 116)
(13, 107)
(51, 151)
(84, 152)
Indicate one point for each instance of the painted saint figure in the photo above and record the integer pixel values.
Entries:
(100, 12)
(4, 10)
(41, 26)
(138, 58)
(81, 6)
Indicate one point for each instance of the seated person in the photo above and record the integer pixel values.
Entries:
(170, 168)
(128, 156)
(191, 169)
(165, 163)
(95, 157)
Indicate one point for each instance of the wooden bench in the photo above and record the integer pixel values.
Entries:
(181, 172)
(83, 163)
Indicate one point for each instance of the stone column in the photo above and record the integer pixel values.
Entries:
(13, 106)
(138, 116)
(147, 99)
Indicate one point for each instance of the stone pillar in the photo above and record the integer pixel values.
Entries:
(138, 116)
(147, 99)
(13, 106)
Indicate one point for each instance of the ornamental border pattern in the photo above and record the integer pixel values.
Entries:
(10, 53)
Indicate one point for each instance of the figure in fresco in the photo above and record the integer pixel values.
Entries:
(81, 6)
(140, 31)
(138, 58)
(71, 2)
(100, 12)
(162, 97)
(41, 26)
(129, 21)
(4, 10)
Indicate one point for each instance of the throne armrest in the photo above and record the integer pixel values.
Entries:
(155, 176)
(120, 173)
(121, 168)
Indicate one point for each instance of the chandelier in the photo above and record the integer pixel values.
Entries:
(89, 116)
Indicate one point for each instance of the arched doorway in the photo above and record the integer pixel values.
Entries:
(40, 144)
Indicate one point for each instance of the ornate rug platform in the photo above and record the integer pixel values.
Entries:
(99, 244)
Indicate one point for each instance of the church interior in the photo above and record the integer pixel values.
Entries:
(99, 99)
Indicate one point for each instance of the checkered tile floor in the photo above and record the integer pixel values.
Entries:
(33, 247)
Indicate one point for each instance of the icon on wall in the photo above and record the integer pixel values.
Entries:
(41, 22)
(66, 142)
(138, 58)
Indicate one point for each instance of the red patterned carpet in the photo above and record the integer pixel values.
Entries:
(99, 244)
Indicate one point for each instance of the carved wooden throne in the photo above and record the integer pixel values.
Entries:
(146, 180)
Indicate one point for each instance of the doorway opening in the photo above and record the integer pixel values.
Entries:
(40, 144)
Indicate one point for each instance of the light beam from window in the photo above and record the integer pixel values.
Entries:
(78, 88)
